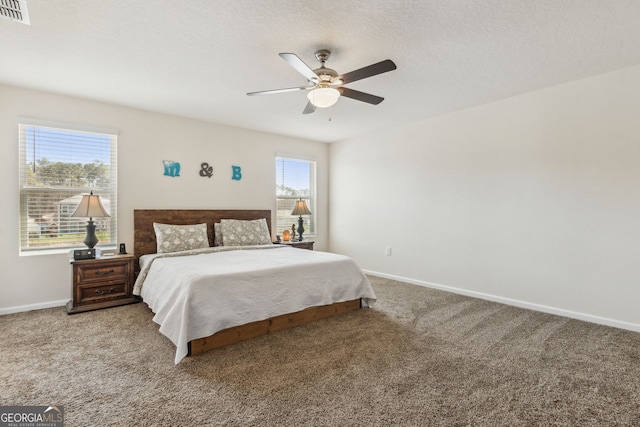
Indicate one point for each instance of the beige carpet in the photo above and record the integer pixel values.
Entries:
(420, 357)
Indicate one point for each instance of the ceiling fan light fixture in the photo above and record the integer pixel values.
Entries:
(323, 97)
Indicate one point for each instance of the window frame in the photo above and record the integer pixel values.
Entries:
(26, 244)
(310, 221)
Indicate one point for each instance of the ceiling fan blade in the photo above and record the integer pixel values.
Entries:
(371, 70)
(300, 66)
(310, 108)
(360, 96)
(269, 92)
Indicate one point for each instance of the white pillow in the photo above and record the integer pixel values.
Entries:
(237, 232)
(176, 238)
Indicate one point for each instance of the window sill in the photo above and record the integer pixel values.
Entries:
(67, 251)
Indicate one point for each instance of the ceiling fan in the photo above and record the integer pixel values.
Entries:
(326, 85)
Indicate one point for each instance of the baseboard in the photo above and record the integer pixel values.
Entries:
(517, 303)
(30, 307)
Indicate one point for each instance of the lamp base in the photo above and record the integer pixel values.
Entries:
(300, 228)
(91, 239)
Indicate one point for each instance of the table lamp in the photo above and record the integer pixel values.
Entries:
(90, 207)
(300, 209)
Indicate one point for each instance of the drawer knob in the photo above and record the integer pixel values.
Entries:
(102, 272)
(101, 292)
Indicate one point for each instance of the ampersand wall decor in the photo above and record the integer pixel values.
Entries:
(206, 170)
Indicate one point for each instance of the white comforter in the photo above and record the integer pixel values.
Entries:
(196, 295)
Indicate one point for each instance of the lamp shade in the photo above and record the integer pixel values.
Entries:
(301, 208)
(90, 207)
(323, 97)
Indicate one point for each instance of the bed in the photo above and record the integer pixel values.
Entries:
(223, 291)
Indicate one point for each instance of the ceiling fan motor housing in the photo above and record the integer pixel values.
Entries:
(326, 75)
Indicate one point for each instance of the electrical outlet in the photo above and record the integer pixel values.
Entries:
(388, 251)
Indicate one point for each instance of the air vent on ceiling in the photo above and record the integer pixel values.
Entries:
(15, 10)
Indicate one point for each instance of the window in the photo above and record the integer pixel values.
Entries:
(57, 166)
(295, 179)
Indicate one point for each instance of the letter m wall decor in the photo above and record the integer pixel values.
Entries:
(171, 168)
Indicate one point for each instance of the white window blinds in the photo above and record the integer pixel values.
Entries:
(57, 166)
(295, 179)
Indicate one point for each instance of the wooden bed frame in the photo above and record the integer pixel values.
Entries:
(145, 243)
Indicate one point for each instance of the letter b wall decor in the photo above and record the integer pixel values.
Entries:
(237, 173)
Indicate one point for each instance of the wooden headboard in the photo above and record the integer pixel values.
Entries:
(144, 236)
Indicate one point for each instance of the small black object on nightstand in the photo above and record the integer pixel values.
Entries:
(84, 254)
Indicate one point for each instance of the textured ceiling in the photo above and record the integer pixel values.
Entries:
(198, 58)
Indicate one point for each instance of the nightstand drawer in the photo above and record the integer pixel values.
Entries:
(305, 244)
(91, 294)
(103, 273)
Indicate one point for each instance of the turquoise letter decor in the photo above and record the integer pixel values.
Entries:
(237, 173)
(171, 168)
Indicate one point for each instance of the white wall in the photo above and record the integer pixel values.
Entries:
(532, 200)
(145, 139)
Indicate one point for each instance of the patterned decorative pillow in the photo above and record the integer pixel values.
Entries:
(242, 233)
(217, 234)
(176, 238)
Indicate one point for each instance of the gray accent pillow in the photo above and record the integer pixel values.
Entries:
(237, 232)
(176, 238)
(217, 234)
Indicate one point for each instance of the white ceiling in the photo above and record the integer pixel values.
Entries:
(198, 58)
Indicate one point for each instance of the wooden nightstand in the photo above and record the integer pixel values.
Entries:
(305, 244)
(101, 283)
